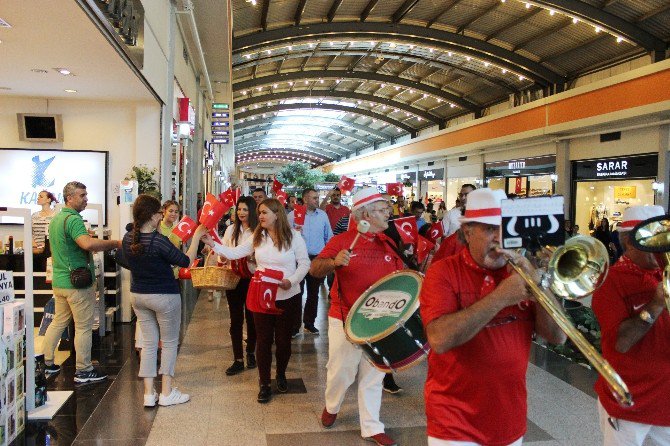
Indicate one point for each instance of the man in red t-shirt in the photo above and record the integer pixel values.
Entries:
(335, 209)
(479, 324)
(372, 258)
(635, 329)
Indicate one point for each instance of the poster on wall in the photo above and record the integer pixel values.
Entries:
(26, 172)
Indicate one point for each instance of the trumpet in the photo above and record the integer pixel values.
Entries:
(576, 270)
(653, 235)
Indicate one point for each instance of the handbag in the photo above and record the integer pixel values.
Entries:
(79, 277)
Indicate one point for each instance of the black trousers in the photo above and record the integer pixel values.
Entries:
(238, 313)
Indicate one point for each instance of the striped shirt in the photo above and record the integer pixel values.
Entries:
(40, 228)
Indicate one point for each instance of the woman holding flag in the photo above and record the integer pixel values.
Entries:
(236, 234)
(274, 293)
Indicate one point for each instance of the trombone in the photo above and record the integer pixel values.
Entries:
(576, 270)
(653, 235)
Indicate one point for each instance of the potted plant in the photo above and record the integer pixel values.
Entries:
(146, 183)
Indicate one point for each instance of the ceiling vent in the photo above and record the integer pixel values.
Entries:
(4, 24)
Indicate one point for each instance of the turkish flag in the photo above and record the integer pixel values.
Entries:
(299, 212)
(345, 184)
(394, 189)
(215, 236)
(185, 228)
(424, 246)
(185, 273)
(407, 229)
(238, 194)
(276, 186)
(212, 211)
(517, 185)
(262, 293)
(281, 196)
(436, 232)
(228, 199)
(352, 224)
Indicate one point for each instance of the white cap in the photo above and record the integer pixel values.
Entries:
(637, 214)
(366, 196)
(483, 206)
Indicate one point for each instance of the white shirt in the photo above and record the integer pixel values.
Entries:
(450, 222)
(293, 262)
(243, 236)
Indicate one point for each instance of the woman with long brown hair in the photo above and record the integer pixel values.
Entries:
(236, 234)
(276, 247)
(155, 298)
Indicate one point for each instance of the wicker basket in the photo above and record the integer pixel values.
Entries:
(214, 277)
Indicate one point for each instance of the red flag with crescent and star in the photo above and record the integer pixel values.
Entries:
(185, 228)
(228, 199)
(346, 184)
(407, 229)
(394, 189)
(276, 186)
(299, 212)
(262, 293)
(281, 196)
(212, 211)
(424, 246)
(436, 232)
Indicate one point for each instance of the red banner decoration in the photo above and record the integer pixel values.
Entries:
(262, 293)
(407, 229)
(517, 185)
(228, 199)
(436, 232)
(276, 186)
(394, 189)
(185, 228)
(352, 224)
(423, 249)
(238, 194)
(282, 197)
(185, 273)
(212, 212)
(345, 184)
(241, 268)
(299, 212)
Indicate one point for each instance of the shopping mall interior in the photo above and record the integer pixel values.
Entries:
(536, 98)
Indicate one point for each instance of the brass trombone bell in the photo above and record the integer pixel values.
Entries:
(578, 268)
(653, 234)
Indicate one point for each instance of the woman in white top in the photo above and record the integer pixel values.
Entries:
(235, 235)
(42, 218)
(278, 247)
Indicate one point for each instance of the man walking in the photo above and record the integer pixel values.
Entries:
(71, 248)
(316, 232)
(335, 209)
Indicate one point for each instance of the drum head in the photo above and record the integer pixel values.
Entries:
(387, 304)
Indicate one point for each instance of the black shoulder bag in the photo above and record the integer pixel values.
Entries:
(79, 277)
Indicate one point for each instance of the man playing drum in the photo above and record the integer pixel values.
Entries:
(635, 327)
(479, 324)
(372, 258)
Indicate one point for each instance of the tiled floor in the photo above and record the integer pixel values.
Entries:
(224, 411)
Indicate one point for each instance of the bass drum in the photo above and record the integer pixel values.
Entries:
(386, 324)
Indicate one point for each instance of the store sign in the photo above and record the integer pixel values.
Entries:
(432, 174)
(644, 166)
(525, 166)
(406, 176)
(517, 165)
(532, 222)
(625, 192)
(27, 172)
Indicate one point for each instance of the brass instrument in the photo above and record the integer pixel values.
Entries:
(653, 235)
(576, 270)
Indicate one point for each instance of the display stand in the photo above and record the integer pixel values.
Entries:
(54, 396)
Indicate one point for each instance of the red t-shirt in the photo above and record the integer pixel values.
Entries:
(477, 391)
(335, 214)
(449, 246)
(371, 260)
(645, 368)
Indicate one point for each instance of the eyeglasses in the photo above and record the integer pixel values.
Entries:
(384, 209)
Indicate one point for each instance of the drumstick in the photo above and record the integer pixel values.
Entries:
(362, 228)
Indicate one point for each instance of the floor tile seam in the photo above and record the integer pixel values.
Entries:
(561, 381)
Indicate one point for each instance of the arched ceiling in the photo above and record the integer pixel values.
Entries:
(327, 78)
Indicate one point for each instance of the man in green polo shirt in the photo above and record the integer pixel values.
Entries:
(71, 248)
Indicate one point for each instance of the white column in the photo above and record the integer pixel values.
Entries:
(563, 184)
(167, 115)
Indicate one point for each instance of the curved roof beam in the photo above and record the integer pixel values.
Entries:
(333, 122)
(279, 153)
(335, 107)
(328, 145)
(407, 33)
(323, 128)
(388, 55)
(290, 143)
(359, 75)
(611, 22)
(341, 95)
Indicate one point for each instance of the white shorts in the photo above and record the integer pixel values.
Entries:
(432, 441)
(618, 432)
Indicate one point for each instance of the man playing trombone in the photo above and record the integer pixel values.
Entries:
(635, 329)
(479, 318)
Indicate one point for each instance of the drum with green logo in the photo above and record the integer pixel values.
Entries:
(386, 324)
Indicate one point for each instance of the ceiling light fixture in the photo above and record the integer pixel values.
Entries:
(69, 90)
(39, 70)
(575, 20)
(63, 71)
(552, 12)
(597, 29)
(244, 92)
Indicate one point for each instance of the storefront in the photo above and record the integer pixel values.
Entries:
(603, 188)
(410, 185)
(432, 184)
(525, 177)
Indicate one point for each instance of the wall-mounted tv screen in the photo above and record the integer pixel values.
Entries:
(42, 128)
(26, 172)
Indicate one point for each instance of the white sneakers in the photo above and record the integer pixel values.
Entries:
(175, 397)
(150, 400)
